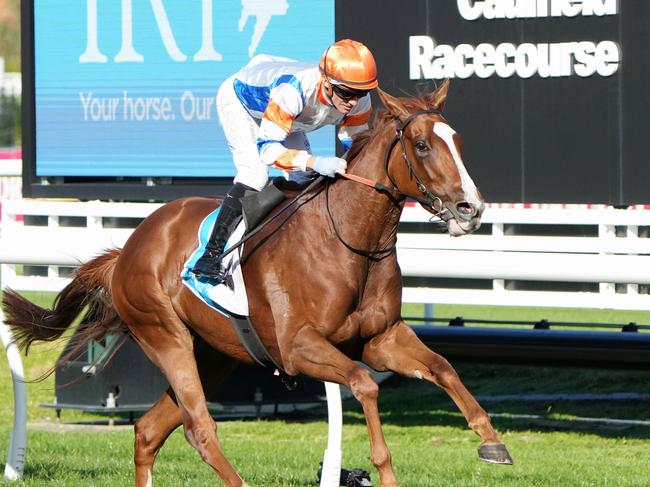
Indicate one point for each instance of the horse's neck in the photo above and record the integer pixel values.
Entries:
(375, 214)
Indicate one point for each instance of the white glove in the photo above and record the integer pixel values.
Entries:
(330, 166)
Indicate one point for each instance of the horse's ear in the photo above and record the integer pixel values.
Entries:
(393, 105)
(437, 99)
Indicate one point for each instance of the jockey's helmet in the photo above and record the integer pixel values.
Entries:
(351, 64)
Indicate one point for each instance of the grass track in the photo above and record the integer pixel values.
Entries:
(429, 439)
(281, 454)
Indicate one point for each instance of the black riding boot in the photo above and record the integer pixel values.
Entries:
(209, 264)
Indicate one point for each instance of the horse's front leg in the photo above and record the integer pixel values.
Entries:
(311, 354)
(400, 350)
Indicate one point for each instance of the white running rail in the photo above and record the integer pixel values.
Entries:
(331, 473)
(18, 439)
(612, 258)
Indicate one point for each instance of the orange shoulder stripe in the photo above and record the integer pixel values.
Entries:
(278, 116)
(285, 160)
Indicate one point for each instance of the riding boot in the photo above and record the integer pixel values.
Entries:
(230, 212)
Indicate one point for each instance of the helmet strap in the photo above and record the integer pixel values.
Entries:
(328, 90)
(327, 84)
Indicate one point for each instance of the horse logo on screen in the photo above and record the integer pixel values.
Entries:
(263, 10)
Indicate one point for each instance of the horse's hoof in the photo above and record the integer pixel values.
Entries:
(495, 454)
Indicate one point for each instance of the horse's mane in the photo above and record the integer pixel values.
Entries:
(380, 118)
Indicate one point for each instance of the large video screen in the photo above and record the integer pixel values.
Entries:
(127, 88)
(550, 96)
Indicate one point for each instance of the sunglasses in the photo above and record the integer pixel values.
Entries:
(347, 95)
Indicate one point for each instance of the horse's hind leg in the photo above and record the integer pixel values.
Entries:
(400, 350)
(167, 342)
(152, 429)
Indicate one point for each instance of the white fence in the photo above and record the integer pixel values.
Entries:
(18, 439)
(613, 257)
(54, 245)
(10, 83)
(10, 179)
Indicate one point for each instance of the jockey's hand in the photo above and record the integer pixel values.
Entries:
(329, 166)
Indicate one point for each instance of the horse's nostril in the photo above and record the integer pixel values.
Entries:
(466, 209)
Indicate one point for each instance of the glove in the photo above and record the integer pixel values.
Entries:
(329, 166)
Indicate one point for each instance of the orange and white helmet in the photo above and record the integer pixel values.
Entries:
(349, 63)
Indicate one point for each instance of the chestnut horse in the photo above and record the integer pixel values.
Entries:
(324, 289)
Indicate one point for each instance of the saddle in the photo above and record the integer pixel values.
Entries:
(231, 300)
(258, 204)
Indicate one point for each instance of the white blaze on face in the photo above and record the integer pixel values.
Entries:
(446, 133)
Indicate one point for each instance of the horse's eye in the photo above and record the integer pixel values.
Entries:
(421, 146)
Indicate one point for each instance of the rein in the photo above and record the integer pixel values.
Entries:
(365, 252)
(314, 184)
(432, 201)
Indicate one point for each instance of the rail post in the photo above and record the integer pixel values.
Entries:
(331, 472)
(18, 439)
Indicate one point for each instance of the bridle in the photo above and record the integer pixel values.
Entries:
(430, 200)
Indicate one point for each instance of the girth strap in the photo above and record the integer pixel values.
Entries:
(251, 341)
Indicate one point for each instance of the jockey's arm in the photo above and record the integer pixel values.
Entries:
(284, 106)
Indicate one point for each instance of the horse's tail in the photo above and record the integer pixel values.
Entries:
(90, 289)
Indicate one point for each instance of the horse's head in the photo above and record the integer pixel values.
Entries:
(427, 161)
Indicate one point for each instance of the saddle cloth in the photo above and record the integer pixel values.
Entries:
(227, 301)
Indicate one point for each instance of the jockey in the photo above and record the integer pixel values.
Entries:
(265, 110)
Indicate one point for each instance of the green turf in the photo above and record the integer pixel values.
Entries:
(532, 314)
(429, 439)
(430, 444)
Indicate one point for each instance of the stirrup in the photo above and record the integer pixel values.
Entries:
(221, 276)
(215, 277)
(210, 266)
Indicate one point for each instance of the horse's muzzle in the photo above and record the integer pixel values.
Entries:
(463, 217)
(466, 211)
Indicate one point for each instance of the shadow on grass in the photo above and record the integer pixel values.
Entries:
(407, 402)
(40, 471)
